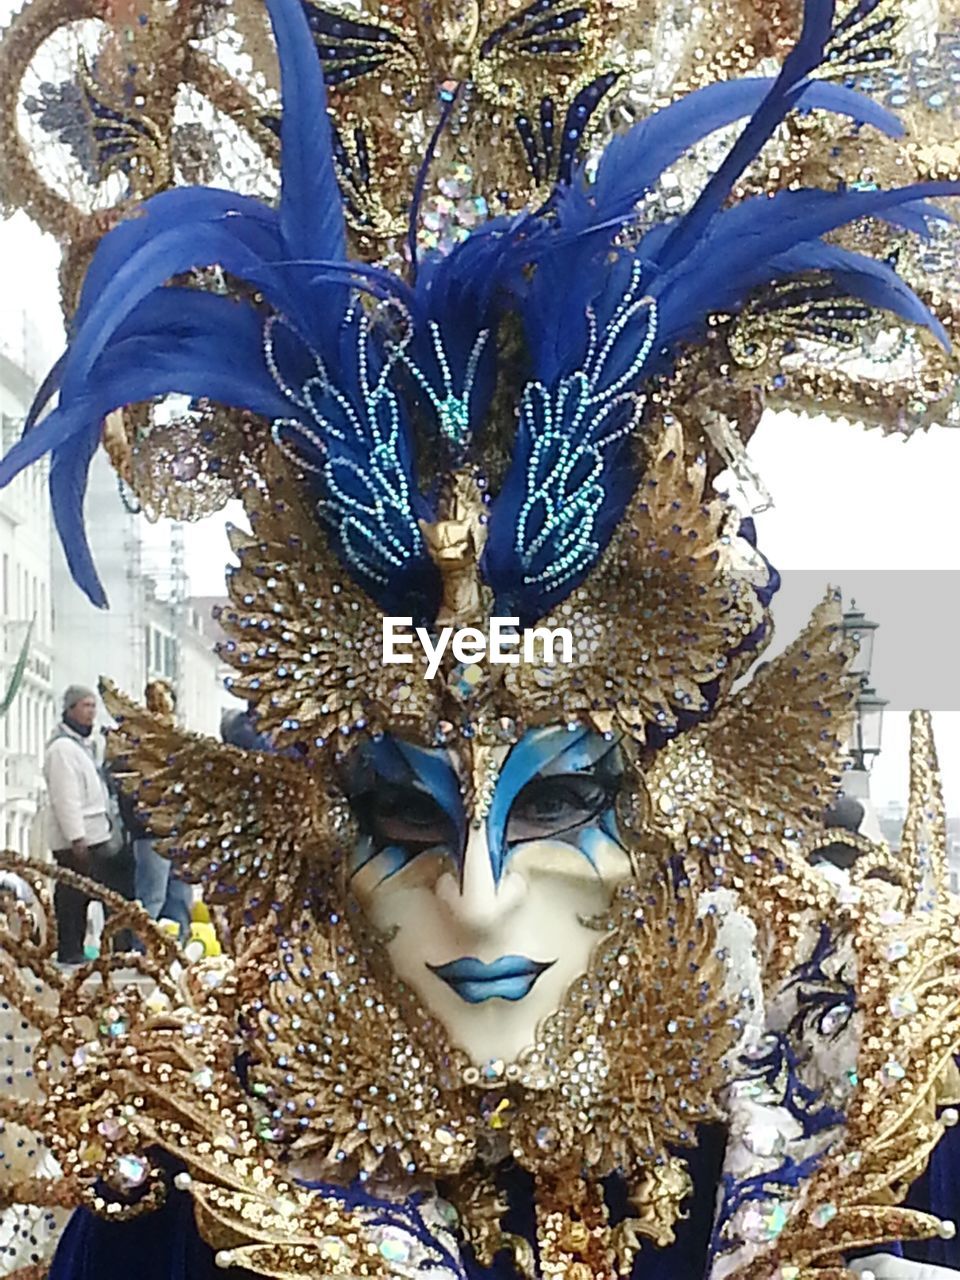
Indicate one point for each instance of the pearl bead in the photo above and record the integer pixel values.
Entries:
(950, 1117)
(182, 1181)
(947, 1229)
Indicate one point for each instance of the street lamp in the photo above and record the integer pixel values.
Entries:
(858, 628)
(868, 727)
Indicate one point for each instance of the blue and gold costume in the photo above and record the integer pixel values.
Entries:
(478, 360)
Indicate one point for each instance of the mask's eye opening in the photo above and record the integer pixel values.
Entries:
(555, 805)
(396, 814)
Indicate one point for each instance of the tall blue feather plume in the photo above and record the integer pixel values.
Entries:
(311, 215)
(633, 161)
(804, 58)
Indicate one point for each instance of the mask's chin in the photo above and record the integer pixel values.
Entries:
(493, 991)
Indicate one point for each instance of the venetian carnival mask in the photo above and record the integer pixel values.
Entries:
(480, 911)
(490, 916)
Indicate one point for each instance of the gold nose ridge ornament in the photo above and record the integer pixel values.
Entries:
(455, 543)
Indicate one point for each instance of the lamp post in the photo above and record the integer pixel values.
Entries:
(868, 726)
(868, 729)
(858, 628)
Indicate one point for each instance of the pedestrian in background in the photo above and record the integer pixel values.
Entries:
(79, 830)
(161, 890)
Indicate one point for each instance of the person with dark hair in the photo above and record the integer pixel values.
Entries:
(79, 828)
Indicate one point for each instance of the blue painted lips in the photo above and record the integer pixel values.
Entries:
(509, 978)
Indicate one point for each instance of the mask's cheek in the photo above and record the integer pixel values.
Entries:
(589, 862)
(393, 888)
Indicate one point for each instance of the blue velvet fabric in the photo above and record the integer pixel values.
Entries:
(166, 1245)
(938, 1191)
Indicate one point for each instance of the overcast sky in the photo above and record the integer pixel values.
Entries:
(875, 516)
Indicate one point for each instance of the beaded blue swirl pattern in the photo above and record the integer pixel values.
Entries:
(355, 443)
(573, 429)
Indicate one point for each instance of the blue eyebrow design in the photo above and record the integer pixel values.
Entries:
(541, 751)
(437, 776)
(402, 763)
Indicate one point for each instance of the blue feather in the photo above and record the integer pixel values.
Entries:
(915, 216)
(422, 175)
(874, 283)
(376, 281)
(559, 504)
(311, 215)
(736, 256)
(633, 161)
(597, 329)
(192, 343)
(45, 393)
(183, 208)
(68, 483)
(571, 474)
(141, 368)
(351, 434)
(455, 309)
(782, 97)
(168, 254)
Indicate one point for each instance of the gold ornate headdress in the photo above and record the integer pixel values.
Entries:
(524, 425)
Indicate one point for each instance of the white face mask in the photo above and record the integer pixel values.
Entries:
(490, 920)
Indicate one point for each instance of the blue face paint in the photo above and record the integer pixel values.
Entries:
(554, 784)
(545, 753)
(509, 978)
(406, 799)
(504, 907)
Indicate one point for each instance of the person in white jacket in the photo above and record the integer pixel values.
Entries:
(79, 825)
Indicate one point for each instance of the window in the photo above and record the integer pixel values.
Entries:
(10, 429)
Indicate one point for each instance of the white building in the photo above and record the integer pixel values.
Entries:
(26, 596)
(180, 641)
(150, 629)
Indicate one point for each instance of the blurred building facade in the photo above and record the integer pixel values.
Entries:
(892, 817)
(26, 596)
(151, 629)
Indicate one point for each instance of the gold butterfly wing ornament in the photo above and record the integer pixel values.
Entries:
(258, 830)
